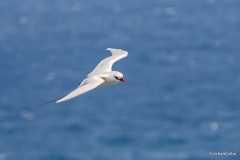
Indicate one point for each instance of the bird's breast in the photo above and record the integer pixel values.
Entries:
(108, 82)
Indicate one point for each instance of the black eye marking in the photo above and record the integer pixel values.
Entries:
(116, 77)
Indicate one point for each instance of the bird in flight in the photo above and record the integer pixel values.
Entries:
(101, 76)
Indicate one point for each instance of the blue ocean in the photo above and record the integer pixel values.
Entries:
(180, 101)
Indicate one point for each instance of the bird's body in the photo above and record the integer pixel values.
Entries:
(101, 76)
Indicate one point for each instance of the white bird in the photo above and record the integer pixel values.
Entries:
(101, 76)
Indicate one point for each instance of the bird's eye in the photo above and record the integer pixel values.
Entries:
(116, 77)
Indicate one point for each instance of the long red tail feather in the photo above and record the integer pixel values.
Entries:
(49, 101)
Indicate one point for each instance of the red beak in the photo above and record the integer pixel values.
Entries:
(121, 79)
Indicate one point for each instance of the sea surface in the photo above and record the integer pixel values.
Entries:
(181, 99)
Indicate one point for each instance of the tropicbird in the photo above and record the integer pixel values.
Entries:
(101, 76)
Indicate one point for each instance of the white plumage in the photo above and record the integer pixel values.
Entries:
(101, 76)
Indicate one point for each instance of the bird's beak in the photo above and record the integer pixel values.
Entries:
(121, 79)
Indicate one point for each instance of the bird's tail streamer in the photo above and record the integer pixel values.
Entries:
(50, 101)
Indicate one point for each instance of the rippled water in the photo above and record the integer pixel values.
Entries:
(180, 101)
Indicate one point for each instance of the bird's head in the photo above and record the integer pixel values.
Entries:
(118, 76)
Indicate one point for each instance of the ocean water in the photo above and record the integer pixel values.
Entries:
(180, 99)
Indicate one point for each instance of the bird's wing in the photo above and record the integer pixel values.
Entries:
(89, 84)
(106, 64)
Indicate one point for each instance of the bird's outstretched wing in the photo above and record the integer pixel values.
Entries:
(87, 85)
(106, 64)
